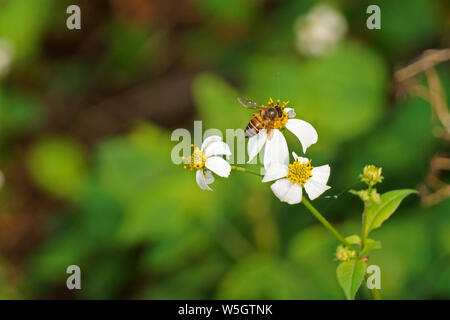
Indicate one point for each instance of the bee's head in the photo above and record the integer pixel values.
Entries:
(272, 113)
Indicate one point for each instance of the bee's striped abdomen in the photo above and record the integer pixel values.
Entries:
(254, 126)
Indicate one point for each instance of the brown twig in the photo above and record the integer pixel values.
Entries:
(435, 95)
(427, 60)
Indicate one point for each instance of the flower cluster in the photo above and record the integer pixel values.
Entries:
(290, 178)
(344, 253)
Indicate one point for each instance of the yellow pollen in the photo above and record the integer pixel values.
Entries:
(198, 159)
(281, 121)
(300, 172)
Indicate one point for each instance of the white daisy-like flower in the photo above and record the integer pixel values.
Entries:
(292, 178)
(320, 30)
(207, 159)
(276, 149)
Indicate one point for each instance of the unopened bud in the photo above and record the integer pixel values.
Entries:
(371, 175)
(345, 254)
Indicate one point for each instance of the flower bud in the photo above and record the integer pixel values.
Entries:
(371, 175)
(344, 253)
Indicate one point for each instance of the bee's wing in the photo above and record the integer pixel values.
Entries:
(249, 104)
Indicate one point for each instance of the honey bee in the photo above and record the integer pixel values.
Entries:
(269, 117)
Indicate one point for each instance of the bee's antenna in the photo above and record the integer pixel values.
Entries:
(279, 87)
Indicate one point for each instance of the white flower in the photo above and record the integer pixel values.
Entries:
(276, 150)
(320, 30)
(292, 178)
(206, 159)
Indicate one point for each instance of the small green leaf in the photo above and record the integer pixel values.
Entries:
(353, 239)
(350, 275)
(377, 213)
(369, 245)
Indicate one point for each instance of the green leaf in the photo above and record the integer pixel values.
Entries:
(377, 213)
(350, 275)
(58, 166)
(369, 245)
(353, 239)
(25, 37)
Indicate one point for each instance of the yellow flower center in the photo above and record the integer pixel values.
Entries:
(281, 121)
(198, 159)
(299, 172)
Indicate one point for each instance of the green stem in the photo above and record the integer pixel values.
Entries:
(310, 207)
(374, 292)
(325, 222)
(363, 233)
(241, 169)
(364, 221)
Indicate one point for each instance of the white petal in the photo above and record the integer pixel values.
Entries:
(276, 150)
(217, 148)
(281, 187)
(290, 112)
(304, 131)
(219, 166)
(255, 144)
(201, 180)
(286, 191)
(294, 194)
(300, 159)
(275, 171)
(209, 177)
(314, 188)
(321, 174)
(303, 160)
(209, 140)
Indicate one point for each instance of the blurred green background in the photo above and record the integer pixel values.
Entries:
(86, 173)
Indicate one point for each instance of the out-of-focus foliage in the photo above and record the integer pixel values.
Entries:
(85, 146)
